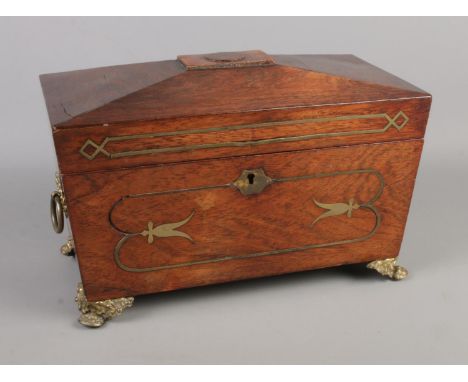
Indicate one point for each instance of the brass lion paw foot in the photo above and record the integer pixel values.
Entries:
(95, 314)
(388, 267)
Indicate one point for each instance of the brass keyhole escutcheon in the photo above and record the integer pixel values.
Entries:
(252, 182)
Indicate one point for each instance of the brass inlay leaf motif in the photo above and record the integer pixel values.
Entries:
(167, 230)
(333, 210)
(398, 122)
(336, 209)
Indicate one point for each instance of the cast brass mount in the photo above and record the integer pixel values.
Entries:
(389, 267)
(58, 208)
(68, 249)
(95, 314)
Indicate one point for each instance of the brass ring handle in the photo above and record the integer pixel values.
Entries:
(56, 212)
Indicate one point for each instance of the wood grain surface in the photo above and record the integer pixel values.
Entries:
(226, 223)
(161, 90)
(185, 133)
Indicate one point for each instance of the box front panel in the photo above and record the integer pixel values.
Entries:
(152, 229)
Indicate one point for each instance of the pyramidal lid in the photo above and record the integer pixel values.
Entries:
(219, 83)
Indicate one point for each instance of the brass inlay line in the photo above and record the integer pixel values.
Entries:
(100, 148)
(337, 209)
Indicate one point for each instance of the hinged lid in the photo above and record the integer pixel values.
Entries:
(220, 104)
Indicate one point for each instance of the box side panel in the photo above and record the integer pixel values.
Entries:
(187, 139)
(162, 228)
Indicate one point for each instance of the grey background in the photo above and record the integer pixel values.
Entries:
(345, 315)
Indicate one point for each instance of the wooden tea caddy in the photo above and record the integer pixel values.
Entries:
(228, 166)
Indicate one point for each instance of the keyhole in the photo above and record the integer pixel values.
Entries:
(251, 178)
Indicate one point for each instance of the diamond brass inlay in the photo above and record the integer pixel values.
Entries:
(97, 149)
(394, 121)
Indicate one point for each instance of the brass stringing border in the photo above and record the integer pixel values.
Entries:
(100, 148)
(333, 210)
